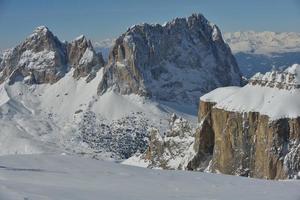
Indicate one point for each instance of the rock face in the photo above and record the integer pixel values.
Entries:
(178, 61)
(83, 58)
(42, 58)
(245, 140)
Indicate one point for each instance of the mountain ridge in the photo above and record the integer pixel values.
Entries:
(57, 106)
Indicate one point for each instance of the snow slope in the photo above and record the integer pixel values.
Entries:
(49, 177)
(69, 116)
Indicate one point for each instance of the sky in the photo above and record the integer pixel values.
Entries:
(101, 19)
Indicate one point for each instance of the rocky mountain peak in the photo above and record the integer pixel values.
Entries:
(43, 58)
(42, 30)
(177, 61)
(83, 58)
(41, 38)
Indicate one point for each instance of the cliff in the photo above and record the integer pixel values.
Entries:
(251, 131)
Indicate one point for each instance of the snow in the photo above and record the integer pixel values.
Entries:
(41, 177)
(271, 101)
(137, 161)
(37, 60)
(87, 57)
(39, 30)
(219, 94)
(4, 98)
(44, 117)
(294, 69)
(173, 149)
(80, 37)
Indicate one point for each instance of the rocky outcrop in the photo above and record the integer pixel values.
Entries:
(170, 150)
(238, 139)
(178, 61)
(246, 144)
(42, 58)
(83, 58)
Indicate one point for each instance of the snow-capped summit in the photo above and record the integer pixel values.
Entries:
(275, 94)
(177, 62)
(43, 58)
(40, 30)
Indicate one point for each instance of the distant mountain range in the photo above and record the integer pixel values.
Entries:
(262, 51)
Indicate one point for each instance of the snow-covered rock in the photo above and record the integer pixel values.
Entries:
(42, 58)
(266, 94)
(178, 61)
(171, 150)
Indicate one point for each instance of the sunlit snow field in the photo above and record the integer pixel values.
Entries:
(45, 177)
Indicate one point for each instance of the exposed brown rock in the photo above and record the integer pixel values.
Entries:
(246, 144)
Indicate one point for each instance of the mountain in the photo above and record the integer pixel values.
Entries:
(262, 51)
(248, 131)
(176, 62)
(42, 58)
(60, 97)
(251, 130)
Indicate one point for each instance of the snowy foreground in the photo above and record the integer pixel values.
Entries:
(63, 177)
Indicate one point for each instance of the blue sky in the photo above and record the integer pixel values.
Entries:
(100, 19)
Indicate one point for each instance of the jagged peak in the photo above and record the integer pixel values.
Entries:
(80, 38)
(196, 21)
(176, 21)
(198, 16)
(287, 79)
(43, 29)
(40, 32)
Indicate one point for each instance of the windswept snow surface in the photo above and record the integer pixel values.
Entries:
(55, 177)
(272, 102)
